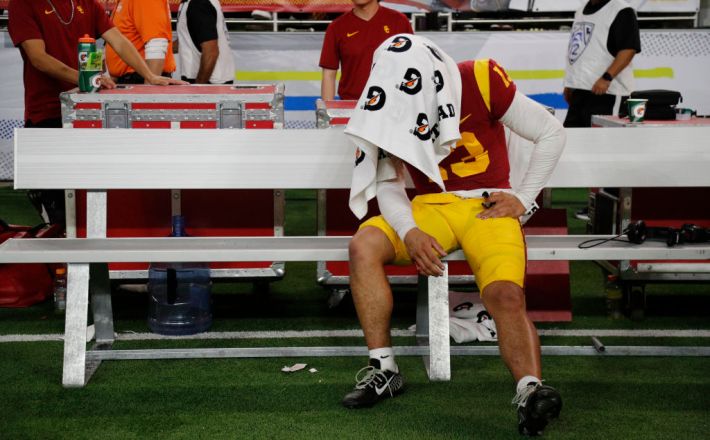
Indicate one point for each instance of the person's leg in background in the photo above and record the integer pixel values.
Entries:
(49, 203)
(582, 105)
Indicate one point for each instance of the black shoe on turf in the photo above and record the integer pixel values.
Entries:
(373, 385)
(582, 214)
(537, 405)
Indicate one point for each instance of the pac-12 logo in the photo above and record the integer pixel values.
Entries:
(376, 98)
(578, 40)
(412, 83)
(400, 44)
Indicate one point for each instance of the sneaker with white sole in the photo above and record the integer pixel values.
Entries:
(537, 405)
(373, 385)
(582, 214)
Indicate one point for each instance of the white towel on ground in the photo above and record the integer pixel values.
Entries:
(468, 318)
(409, 109)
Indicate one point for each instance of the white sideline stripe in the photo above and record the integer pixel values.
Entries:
(628, 333)
(291, 334)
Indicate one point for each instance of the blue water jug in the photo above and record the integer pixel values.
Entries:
(180, 295)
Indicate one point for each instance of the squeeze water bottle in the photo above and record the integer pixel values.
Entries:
(90, 64)
(60, 289)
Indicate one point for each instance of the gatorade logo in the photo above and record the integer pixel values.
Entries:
(412, 83)
(638, 111)
(376, 98)
(359, 156)
(438, 81)
(423, 131)
(435, 53)
(400, 44)
(96, 81)
(464, 305)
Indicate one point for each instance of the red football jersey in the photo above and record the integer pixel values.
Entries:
(350, 42)
(480, 159)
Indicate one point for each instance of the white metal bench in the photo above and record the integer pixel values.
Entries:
(305, 159)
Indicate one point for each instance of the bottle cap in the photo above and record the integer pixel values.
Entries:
(87, 39)
(60, 271)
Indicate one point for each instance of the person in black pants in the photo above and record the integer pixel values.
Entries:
(604, 39)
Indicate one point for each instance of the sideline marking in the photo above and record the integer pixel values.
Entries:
(292, 334)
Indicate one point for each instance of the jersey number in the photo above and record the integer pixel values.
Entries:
(503, 75)
(476, 162)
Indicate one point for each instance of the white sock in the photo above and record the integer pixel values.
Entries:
(385, 356)
(522, 383)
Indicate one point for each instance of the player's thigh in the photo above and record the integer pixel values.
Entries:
(428, 219)
(495, 250)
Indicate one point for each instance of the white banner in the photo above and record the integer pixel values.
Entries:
(639, 5)
(676, 60)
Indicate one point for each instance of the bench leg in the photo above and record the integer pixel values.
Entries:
(74, 374)
(433, 324)
(100, 288)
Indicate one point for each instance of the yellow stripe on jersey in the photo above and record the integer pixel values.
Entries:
(481, 72)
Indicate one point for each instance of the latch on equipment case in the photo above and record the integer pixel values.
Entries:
(230, 115)
(116, 114)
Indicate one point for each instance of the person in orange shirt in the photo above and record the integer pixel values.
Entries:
(146, 24)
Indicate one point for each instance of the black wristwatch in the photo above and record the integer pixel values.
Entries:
(607, 76)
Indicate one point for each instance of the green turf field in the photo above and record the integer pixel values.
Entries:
(604, 397)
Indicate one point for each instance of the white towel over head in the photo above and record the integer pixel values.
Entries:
(409, 109)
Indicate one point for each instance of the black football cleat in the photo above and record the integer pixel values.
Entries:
(537, 405)
(373, 385)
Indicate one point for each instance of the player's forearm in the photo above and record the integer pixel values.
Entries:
(395, 205)
(327, 86)
(622, 59)
(208, 61)
(531, 121)
(128, 52)
(39, 58)
(155, 66)
(56, 69)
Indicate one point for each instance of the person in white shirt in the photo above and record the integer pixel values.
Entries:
(203, 43)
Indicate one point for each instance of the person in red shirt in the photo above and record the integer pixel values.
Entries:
(47, 33)
(476, 211)
(349, 43)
